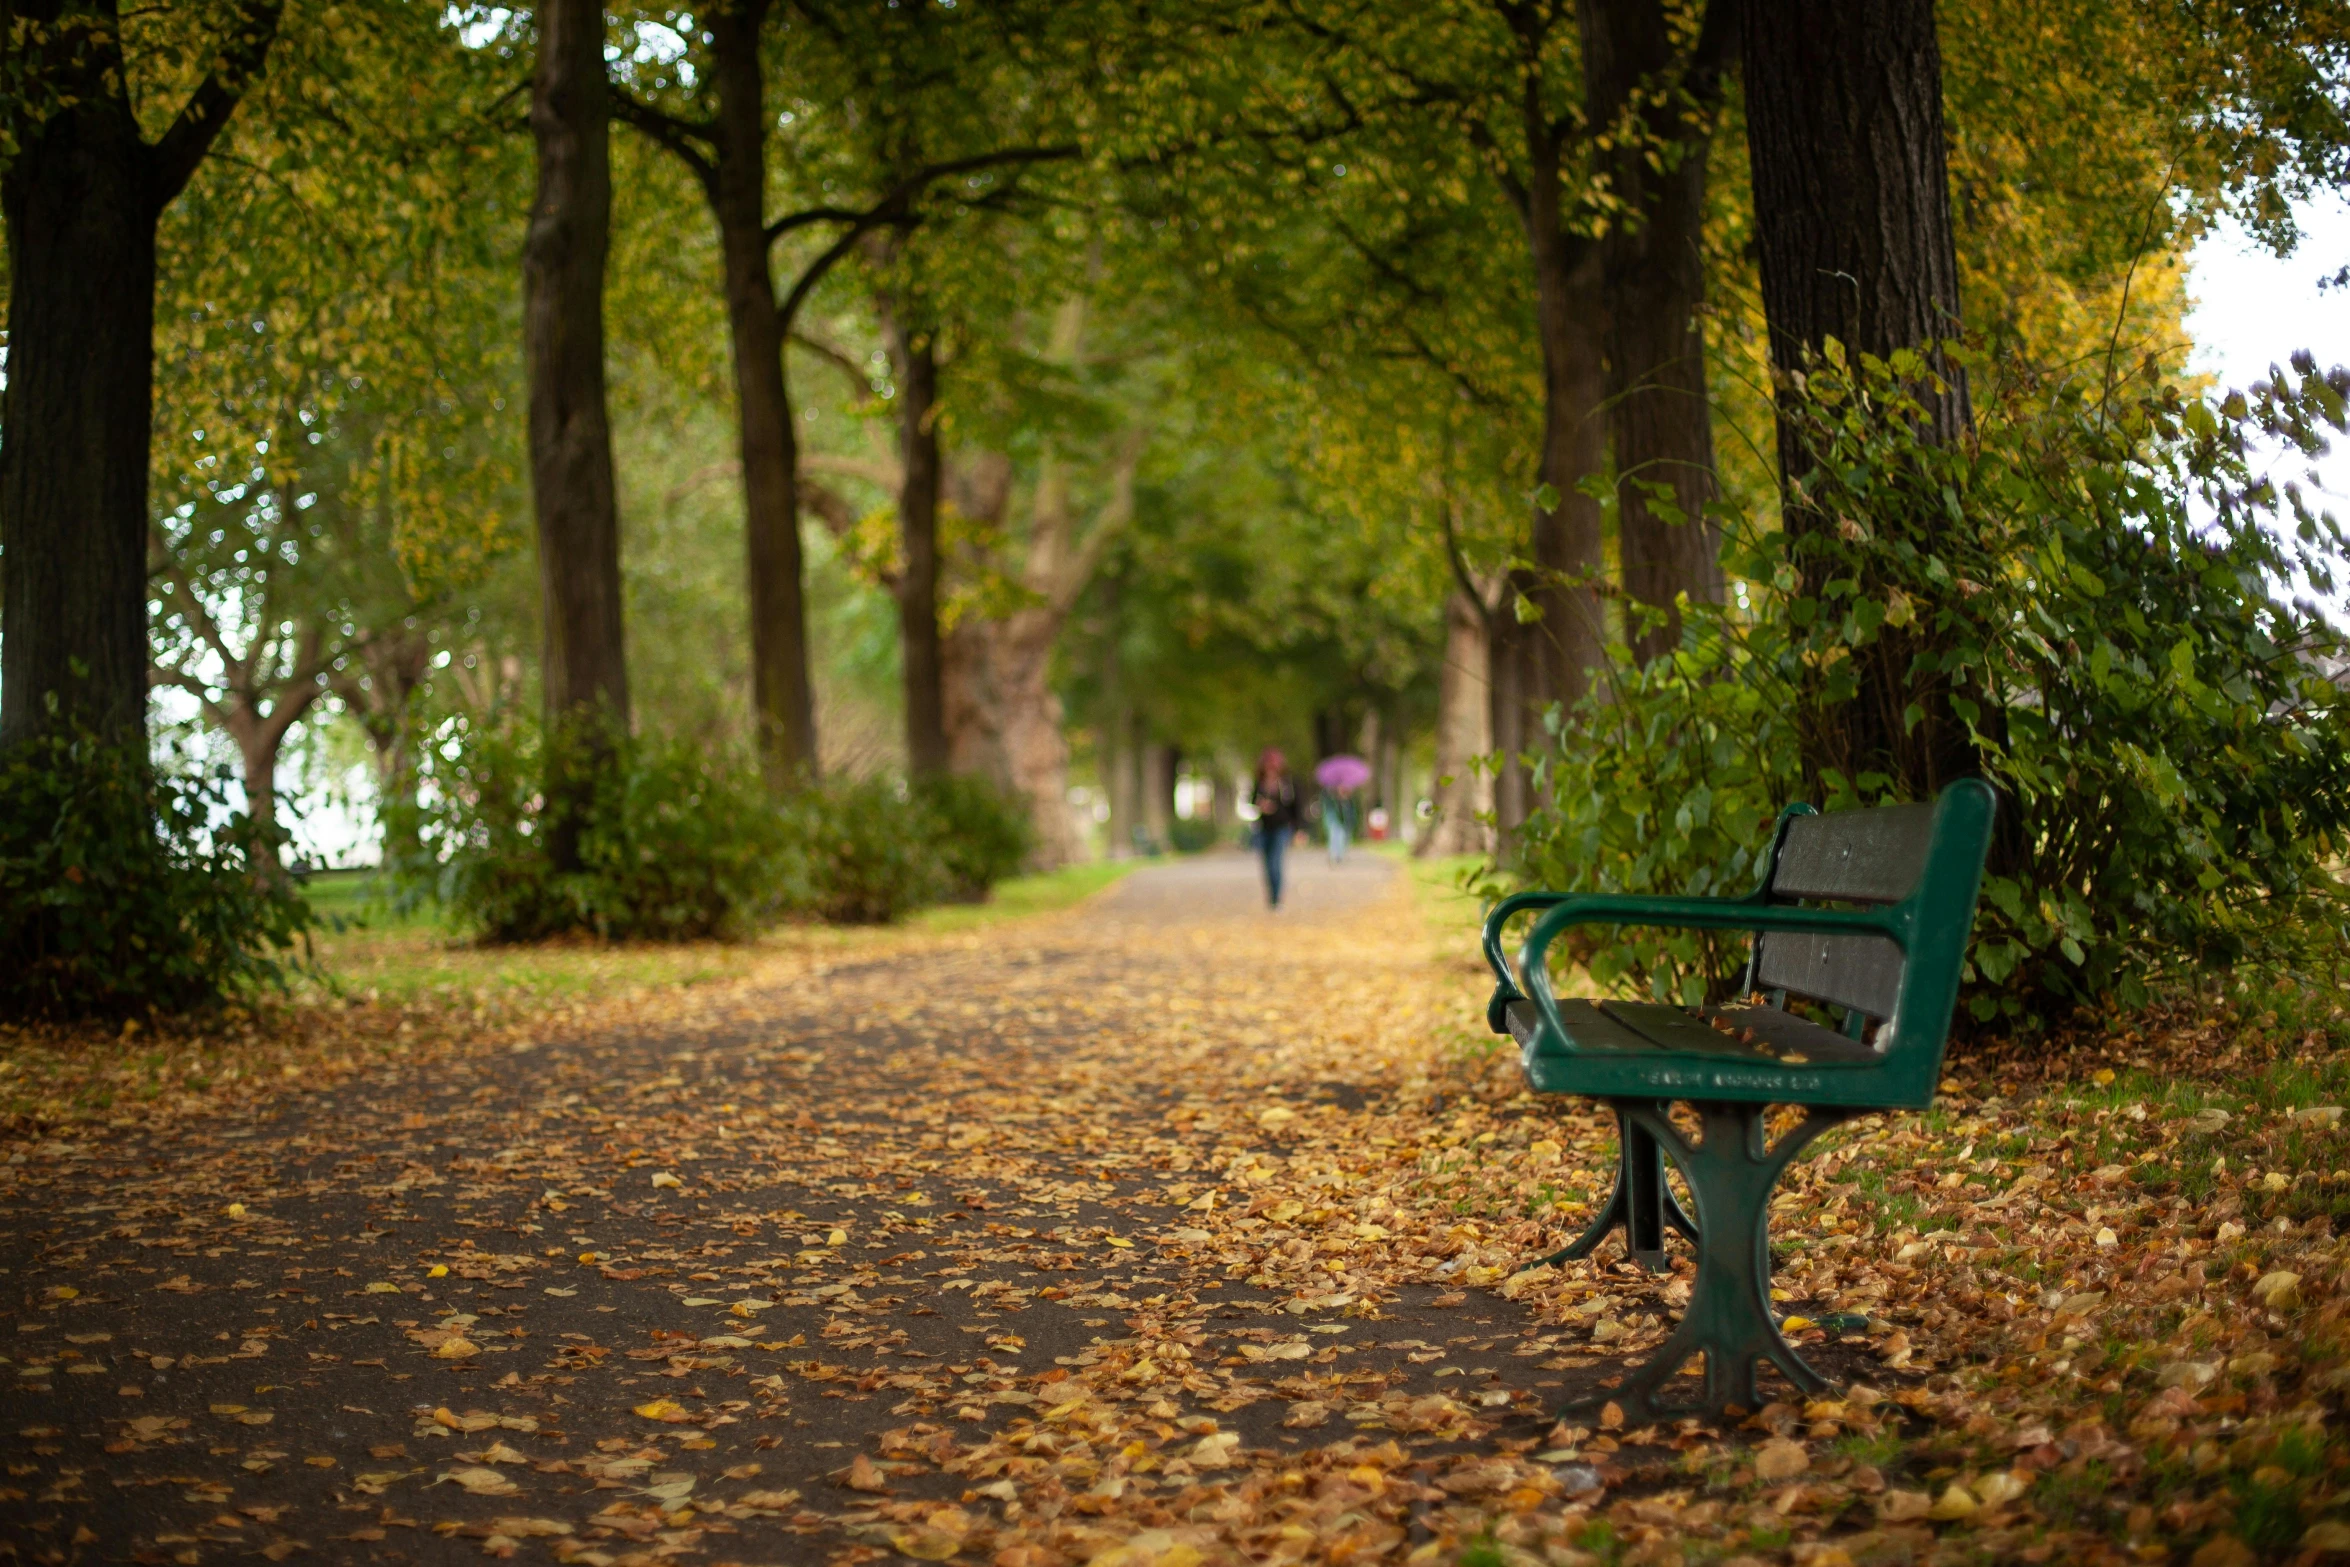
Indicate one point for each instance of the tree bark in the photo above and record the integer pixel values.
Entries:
(1551, 659)
(1512, 664)
(81, 195)
(1852, 220)
(782, 694)
(1120, 778)
(379, 694)
(584, 677)
(1851, 193)
(1158, 794)
(1659, 105)
(914, 356)
(1457, 790)
(1005, 719)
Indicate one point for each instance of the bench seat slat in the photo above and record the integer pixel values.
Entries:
(1587, 1025)
(1784, 1034)
(1862, 972)
(1639, 1028)
(1873, 856)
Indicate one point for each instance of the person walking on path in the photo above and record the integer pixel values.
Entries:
(1337, 811)
(1275, 796)
(1340, 776)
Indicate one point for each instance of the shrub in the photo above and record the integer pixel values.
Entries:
(669, 849)
(983, 834)
(2095, 585)
(672, 848)
(872, 851)
(124, 891)
(1193, 835)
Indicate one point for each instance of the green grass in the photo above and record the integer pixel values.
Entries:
(1023, 895)
(370, 950)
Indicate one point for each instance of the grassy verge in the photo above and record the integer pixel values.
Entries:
(390, 983)
(1024, 895)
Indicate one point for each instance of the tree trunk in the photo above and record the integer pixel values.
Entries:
(80, 195)
(1513, 663)
(915, 358)
(1852, 221)
(1126, 809)
(1004, 720)
(1158, 794)
(1851, 194)
(783, 707)
(1551, 659)
(585, 674)
(1653, 281)
(378, 695)
(1457, 790)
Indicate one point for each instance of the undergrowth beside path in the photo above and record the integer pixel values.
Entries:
(1152, 1233)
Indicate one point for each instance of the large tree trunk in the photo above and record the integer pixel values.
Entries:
(1653, 278)
(915, 358)
(1004, 720)
(1851, 192)
(1852, 220)
(80, 194)
(1551, 660)
(1119, 766)
(1513, 663)
(584, 675)
(1458, 791)
(783, 704)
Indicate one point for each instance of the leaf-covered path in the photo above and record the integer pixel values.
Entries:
(1157, 1233)
(732, 1289)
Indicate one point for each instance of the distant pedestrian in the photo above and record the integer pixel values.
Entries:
(1340, 777)
(1275, 796)
(1337, 814)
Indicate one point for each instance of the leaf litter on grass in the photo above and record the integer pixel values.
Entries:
(1143, 1243)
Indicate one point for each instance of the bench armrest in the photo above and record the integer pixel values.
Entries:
(1505, 984)
(1629, 909)
(1748, 914)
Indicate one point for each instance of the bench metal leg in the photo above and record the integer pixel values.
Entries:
(1641, 1204)
(1729, 1320)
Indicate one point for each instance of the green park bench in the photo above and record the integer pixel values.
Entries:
(1861, 913)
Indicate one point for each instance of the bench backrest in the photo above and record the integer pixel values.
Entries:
(1876, 857)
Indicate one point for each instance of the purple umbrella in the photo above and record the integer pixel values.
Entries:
(1342, 774)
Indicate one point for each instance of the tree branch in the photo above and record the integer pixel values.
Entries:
(1108, 523)
(894, 203)
(172, 160)
(678, 136)
(837, 359)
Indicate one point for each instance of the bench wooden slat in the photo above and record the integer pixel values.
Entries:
(1592, 1028)
(1873, 856)
(1785, 1034)
(1862, 972)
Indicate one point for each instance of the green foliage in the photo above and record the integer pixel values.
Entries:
(983, 834)
(125, 892)
(2095, 586)
(1193, 835)
(668, 848)
(673, 848)
(872, 851)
